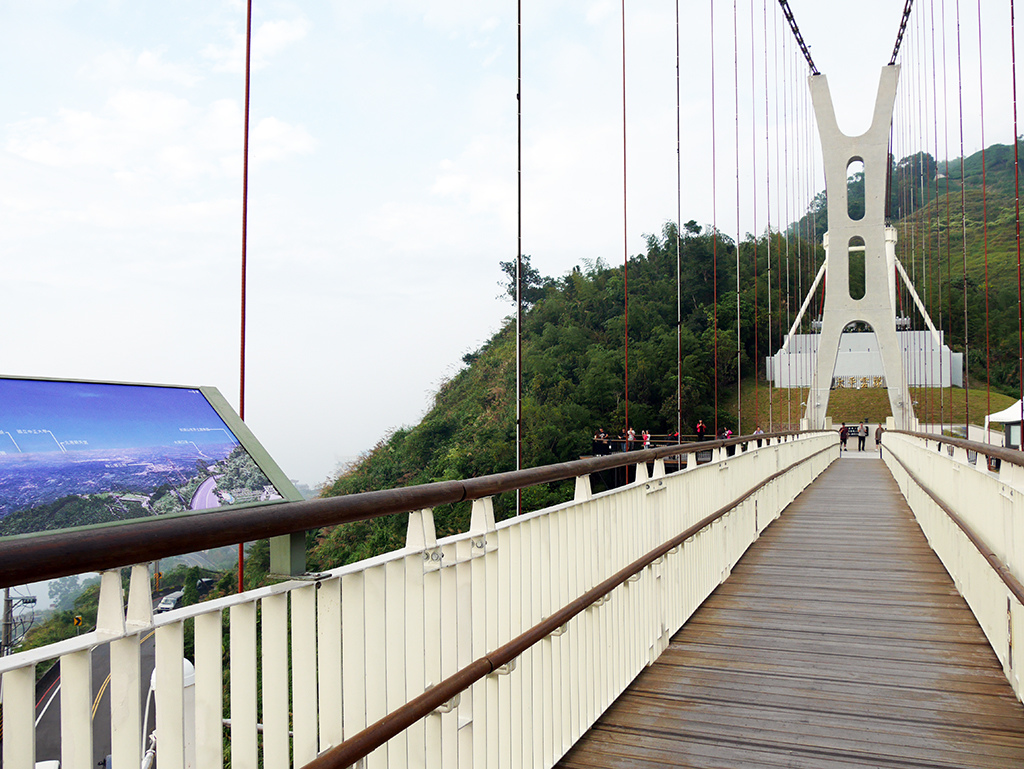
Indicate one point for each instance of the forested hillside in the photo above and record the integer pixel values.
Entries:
(573, 343)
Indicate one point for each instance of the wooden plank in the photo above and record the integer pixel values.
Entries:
(839, 641)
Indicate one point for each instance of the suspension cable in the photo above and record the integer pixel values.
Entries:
(625, 231)
(984, 219)
(753, 155)
(714, 212)
(519, 249)
(799, 38)
(736, 112)
(963, 224)
(245, 237)
(1016, 203)
(768, 210)
(679, 224)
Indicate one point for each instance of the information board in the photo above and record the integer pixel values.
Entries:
(76, 453)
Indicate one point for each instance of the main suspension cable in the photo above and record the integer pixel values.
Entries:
(799, 38)
(903, 28)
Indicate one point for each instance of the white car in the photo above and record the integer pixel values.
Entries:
(169, 602)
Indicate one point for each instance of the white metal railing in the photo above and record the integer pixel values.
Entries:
(311, 663)
(972, 514)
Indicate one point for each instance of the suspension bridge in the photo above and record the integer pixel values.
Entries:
(783, 604)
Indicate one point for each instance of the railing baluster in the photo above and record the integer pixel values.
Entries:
(395, 650)
(19, 718)
(415, 670)
(125, 707)
(243, 686)
(76, 710)
(209, 691)
(304, 656)
(330, 686)
(274, 665)
(432, 619)
(375, 617)
(170, 696)
(354, 654)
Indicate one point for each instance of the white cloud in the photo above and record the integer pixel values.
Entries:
(273, 139)
(268, 39)
(144, 133)
(121, 65)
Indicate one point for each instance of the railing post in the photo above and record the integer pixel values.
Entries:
(140, 599)
(583, 492)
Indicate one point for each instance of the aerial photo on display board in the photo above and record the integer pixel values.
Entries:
(76, 454)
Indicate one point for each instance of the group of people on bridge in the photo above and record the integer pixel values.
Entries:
(625, 441)
(861, 431)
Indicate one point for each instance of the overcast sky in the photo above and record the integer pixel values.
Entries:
(382, 187)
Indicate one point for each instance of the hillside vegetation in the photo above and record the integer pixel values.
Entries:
(573, 347)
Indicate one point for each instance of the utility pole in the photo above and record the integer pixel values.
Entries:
(5, 644)
(7, 641)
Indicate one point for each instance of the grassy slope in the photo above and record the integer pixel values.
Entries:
(932, 405)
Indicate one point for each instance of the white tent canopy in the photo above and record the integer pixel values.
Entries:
(1010, 414)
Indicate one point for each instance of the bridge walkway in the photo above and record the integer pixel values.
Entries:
(838, 641)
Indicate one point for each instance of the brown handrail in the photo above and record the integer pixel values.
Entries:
(372, 737)
(1012, 583)
(1012, 456)
(36, 557)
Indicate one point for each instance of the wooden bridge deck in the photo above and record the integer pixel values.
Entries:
(838, 641)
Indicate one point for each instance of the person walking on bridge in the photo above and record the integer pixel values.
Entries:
(862, 435)
(844, 433)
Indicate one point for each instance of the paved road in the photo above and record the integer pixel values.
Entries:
(205, 498)
(48, 704)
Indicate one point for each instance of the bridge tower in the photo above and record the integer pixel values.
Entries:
(877, 307)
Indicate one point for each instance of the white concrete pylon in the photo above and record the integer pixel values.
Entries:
(877, 306)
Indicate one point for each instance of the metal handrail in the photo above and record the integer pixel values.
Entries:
(1001, 453)
(372, 737)
(1012, 583)
(36, 557)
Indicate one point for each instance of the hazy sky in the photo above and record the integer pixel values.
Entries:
(382, 188)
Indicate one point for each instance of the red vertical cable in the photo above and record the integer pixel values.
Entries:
(949, 245)
(625, 231)
(926, 257)
(245, 215)
(679, 224)
(963, 223)
(1017, 222)
(937, 254)
(519, 249)
(786, 145)
(926, 242)
(768, 229)
(736, 112)
(938, 276)
(785, 164)
(714, 210)
(984, 219)
(753, 171)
